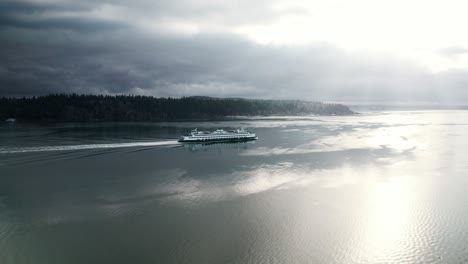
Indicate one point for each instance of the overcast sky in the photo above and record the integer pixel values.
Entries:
(336, 50)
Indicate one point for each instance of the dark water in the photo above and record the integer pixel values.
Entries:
(382, 187)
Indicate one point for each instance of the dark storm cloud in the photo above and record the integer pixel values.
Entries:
(38, 16)
(65, 47)
(8, 7)
(19, 13)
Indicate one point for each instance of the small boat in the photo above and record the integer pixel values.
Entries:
(11, 120)
(219, 135)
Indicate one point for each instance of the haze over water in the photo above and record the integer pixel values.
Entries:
(379, 187)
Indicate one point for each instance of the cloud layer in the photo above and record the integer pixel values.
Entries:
(183, 48)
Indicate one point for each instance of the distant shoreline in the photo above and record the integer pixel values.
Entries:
(99, 108)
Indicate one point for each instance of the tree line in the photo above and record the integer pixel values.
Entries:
(79, 108)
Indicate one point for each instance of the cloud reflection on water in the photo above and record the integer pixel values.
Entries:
(398, 138)
(397, 157)
(179, 186)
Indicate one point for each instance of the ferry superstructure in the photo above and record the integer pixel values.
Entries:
(219, 135)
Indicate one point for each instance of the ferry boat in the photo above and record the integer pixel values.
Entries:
(219, 135)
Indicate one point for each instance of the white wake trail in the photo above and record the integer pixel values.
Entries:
(88, 146)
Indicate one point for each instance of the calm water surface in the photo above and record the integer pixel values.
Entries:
(381, 187)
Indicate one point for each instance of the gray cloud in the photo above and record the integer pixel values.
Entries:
(43, 50)
(453, 51)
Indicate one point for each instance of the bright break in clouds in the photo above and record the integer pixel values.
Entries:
(349, 51)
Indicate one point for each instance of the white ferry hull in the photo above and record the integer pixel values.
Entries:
(199, 140)
(218, 136)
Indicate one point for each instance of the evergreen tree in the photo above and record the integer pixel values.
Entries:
(78, 108)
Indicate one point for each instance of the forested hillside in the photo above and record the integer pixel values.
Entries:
(73, 108)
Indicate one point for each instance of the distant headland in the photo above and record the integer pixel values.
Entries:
(128, 108)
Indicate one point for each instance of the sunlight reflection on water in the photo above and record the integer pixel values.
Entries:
(376, 188)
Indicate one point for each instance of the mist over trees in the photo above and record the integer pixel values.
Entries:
(80, 108)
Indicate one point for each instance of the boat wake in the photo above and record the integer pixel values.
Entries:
(86, 146)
